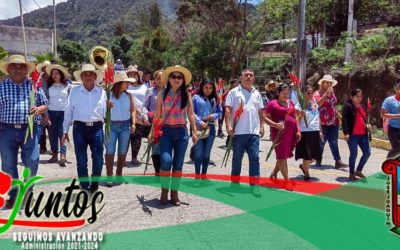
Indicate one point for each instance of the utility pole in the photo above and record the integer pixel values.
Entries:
(347, 57)
(55, 31)
(301, 43)
(23, 30)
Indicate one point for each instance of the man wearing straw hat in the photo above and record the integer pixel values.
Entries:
(14, 111)
(85, 110)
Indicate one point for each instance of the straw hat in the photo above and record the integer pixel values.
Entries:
(59, 67)
(133, 68)
(270, 82)
(17, 59)
(88, 68)
(121, 76)
(327, 78)
(184, 71)
(41, 65)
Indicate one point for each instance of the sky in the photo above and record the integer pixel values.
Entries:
(10, 8)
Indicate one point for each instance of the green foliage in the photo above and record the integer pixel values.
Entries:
(73, 53)
(374, 45)
(323, 56)
(120, 47)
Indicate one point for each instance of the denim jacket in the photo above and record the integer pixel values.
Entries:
(203, 107)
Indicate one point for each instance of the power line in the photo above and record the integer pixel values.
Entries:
(37, 4)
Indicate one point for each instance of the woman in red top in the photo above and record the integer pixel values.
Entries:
(355, 133)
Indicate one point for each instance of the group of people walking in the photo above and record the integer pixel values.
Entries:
(167, 104)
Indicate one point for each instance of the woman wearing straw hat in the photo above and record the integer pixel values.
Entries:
(58, 91)
(174, 106)
(122, 123)
(14, 111)
(86, 109)
(328, 113)
(138, 91)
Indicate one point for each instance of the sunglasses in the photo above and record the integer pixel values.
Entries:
(179, 77)
(310, 93)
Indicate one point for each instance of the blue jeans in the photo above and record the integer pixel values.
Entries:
(176, 139)
(120, 131)
(85, 136)
(56, 131)
(331, 134)
(202, 151)
(250, 144)
(363, 143)
(11, 140)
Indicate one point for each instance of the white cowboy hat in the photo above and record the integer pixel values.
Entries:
(59, 67)
(271, 82)
(121, 76)
(86, 68)
(133, 68)
(41, 65)
(327, 78)
(184, 71)
(17, 59)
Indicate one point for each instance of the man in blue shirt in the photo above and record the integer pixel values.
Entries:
(391, 110)
(14, 111)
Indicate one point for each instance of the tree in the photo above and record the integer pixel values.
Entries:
(235, 22)
(279, 12)
(73, 53)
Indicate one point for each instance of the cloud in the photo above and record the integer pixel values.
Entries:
(10, 9)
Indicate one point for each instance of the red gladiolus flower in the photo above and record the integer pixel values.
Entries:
(109, 74)
(35, 76)
(239, 111)
(369, 105)
(5, 184)
(294, 78)
(157, 127)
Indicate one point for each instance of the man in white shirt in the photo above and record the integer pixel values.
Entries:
(249, 128)
(86, 110)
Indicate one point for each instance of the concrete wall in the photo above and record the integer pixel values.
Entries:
(37, 40)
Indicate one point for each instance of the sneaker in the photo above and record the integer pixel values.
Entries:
(136, 162)
(340, 164)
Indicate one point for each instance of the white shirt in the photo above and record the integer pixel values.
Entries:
(139, 94)
(58, 96)
(85, 106)
(249, 121)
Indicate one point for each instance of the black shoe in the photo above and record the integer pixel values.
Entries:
(94, 187)
(318, 163)
(43, 150)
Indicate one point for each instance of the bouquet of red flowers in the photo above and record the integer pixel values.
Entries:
(300, 96)
(236, 118)
(155, 135)
(108, 81)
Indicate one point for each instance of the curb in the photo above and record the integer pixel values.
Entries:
(375, 143)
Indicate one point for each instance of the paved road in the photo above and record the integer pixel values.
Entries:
(135, 207)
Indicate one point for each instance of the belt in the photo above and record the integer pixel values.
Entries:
(11, 125)
(89, 124)
(121, 121)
